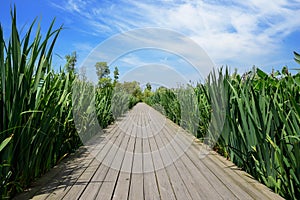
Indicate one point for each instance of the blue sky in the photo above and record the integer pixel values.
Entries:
(235, 33)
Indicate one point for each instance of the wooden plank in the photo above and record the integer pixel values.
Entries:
(174, 159)
(85, 177)
(65, 185)
(208, 189)
(213, 179)
(198, 186)
(232, 171)
(241, 189)
(179, 187)
(108, 187)
(123, 183)
(81, 183)
(77, 189)
(136, 190)
(42, 190)
(150, 177)
(165, 187)
(71, 165)
(235, 189)
(106, 156)
(182, 171)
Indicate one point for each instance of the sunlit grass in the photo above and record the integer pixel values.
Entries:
(37, 126)
(261, 130)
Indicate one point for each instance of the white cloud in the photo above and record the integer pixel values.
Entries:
(247, 32)
(132, 60)
(83, 46)
(119, 48)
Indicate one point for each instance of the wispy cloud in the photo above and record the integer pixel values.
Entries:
(83, 46)
(132, 60)
(248, 32)
(140, 47)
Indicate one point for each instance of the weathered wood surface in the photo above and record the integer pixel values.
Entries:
(146, 156)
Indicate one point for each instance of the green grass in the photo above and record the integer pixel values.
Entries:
(35, 108)
(261, 118)
(36, 105)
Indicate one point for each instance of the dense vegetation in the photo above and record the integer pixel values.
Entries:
(37, 127)
(261, 131)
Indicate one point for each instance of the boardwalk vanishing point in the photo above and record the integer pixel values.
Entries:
(144, 155)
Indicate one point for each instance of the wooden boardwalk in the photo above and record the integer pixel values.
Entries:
(146, 156)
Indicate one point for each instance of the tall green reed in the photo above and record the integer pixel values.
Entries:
(262, 133)
(259, 128)
(38, 106)
(37, 128)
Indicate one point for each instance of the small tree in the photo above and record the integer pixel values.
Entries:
(103, 72)
(116, 75)
(297, 57)
(147, 92)
(71, 61)
(148, 86)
